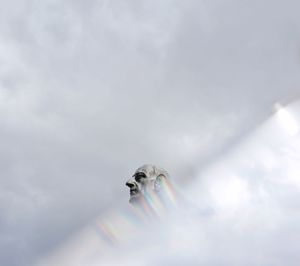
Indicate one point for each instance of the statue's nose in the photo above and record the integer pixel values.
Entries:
(130, 184)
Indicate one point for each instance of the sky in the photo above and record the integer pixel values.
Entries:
(91, 90)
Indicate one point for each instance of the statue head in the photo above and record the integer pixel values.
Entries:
(146, 179)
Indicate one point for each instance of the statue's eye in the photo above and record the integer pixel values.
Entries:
(138, 177)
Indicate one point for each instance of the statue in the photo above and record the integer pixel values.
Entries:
(148, 181)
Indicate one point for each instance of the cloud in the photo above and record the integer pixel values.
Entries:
(89, 91)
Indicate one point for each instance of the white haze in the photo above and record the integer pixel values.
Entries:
(242, 210)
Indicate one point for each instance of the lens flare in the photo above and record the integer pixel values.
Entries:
(287, 120)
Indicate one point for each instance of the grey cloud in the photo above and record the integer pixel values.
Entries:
(91, 90)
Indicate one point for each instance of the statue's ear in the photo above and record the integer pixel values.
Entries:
(158, 182)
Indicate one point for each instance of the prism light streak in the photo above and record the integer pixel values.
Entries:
(116, 227)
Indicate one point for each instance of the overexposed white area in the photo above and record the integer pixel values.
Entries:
(92, 89)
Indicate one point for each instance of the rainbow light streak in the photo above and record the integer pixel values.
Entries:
(117, 228)
(169, 192)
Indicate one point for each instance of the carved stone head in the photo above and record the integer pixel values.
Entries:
(146, 179)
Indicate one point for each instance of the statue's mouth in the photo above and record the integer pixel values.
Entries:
(134, 191)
